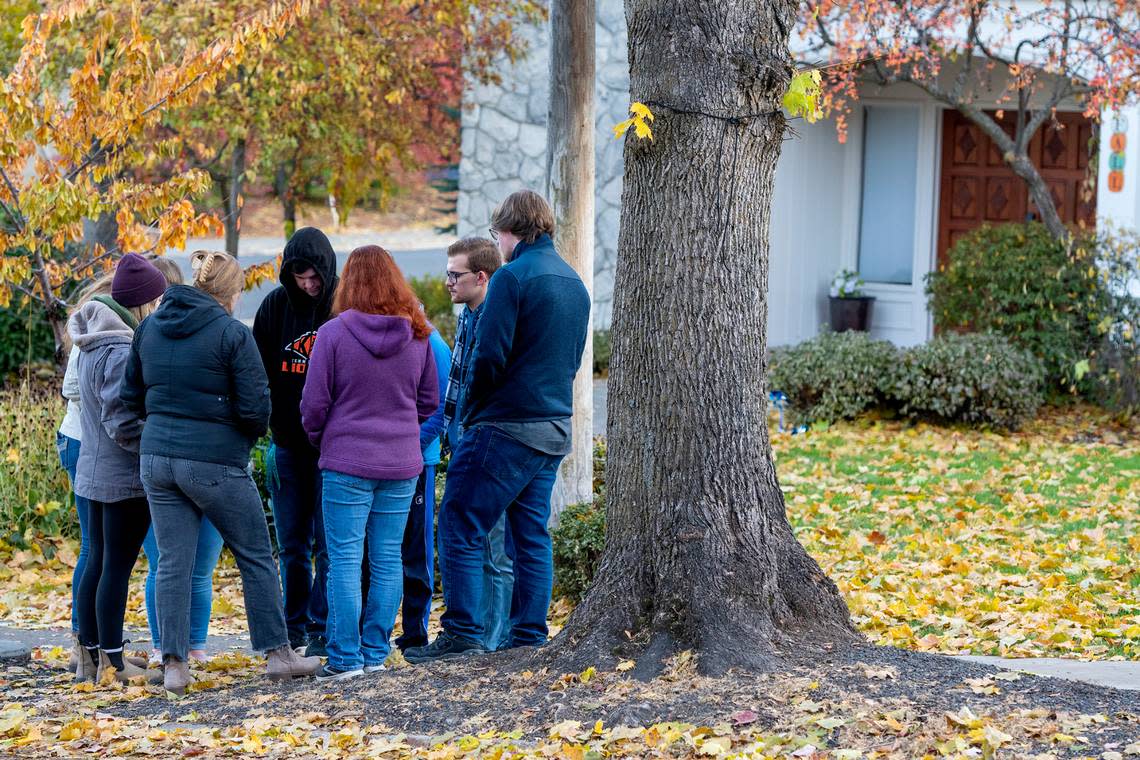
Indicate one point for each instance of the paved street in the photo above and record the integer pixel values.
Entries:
(416, 253)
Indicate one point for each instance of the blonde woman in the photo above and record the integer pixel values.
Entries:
(107, 470)
(205, 559)
(195, 375)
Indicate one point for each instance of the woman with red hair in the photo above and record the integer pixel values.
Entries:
(371, 382)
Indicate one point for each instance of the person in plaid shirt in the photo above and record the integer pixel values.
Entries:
(470, 264)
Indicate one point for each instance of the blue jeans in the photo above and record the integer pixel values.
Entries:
(201, 584)
(491, 474)
(355, 508)
(419, 556)
(295, 496)
(68, 456)
(498, 587)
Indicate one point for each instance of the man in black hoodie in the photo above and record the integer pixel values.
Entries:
(285, 328)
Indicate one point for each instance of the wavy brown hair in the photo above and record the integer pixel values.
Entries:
(372, 283)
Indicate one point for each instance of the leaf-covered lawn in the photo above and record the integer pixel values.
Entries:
(954, 540)
(948, 540)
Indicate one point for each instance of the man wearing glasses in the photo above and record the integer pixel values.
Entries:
(515, 415)
(470, 264)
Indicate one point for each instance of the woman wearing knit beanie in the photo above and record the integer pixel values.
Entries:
(107, 472)
(196, 376)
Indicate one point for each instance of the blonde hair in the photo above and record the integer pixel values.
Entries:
(217, 274)
(168, 268)
(142, 312)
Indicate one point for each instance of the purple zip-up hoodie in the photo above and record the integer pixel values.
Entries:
(368, 388)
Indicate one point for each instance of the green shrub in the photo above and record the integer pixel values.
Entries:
(25, 337)
(35, 493)
(578, 543)
(432, 292)
(832, 376)
(1018, 281)
(1114, 366)
(975, 378)
(603, 350)
(581, 536)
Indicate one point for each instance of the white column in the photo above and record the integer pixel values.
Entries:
(1118, 176)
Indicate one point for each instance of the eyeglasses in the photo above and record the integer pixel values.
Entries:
(453, 277)
(494, 233)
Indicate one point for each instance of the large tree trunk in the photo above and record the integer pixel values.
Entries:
(570, 184)
(699, 552)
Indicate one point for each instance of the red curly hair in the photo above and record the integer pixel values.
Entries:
(372, 283)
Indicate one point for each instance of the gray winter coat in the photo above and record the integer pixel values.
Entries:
(108, 467)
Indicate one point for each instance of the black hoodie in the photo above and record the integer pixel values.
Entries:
(195, 376)
(286, 326)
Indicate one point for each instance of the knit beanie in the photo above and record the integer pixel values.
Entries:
(136, 281)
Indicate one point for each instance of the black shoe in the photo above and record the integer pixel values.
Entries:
(444, 647)
(329, 673)
(298, 643)
(405, 644)
(317, 647)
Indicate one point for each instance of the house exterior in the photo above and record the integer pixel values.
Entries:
(911, 177)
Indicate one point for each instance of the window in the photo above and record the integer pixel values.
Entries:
(890, 166)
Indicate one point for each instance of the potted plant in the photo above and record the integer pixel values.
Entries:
(849, 308)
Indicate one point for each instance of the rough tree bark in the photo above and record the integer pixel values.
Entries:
(699, 552)
(570, 186)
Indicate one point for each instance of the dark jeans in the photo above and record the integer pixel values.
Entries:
(117, 531)
(418, 557)
(182, 492)
(491, 473)
(304, 560)
(68, 455)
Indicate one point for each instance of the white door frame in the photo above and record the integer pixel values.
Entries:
(900, 313)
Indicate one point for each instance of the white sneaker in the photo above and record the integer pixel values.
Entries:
(375, 668)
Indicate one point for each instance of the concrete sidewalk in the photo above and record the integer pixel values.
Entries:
(13, 638)
(1115, 675)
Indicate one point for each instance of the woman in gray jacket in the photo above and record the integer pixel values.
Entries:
(107, 472)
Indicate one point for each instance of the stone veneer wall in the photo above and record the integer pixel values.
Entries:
(504, 140)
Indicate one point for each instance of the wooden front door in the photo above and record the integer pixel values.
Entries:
(978, 187)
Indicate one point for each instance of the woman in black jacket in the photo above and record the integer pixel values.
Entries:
(195, 375)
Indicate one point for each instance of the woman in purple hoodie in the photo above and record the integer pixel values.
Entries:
(371, 382)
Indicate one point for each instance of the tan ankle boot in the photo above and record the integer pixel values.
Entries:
(176, 675)
(129, 671)
(86, 666)
(283, 662)
(76, 653)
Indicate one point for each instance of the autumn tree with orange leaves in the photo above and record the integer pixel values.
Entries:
(73, 153)
(358, 90)
(1038, 55)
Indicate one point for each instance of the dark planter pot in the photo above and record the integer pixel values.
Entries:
(851, 313)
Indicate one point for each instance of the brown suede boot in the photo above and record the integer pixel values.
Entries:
(129, 671)
(76, 653)
(283, 662)
(86, 664)
(176, 675)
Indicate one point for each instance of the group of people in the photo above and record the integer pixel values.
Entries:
(168, 392)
